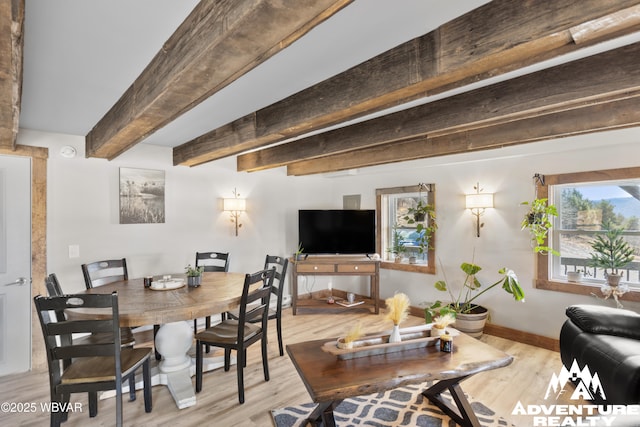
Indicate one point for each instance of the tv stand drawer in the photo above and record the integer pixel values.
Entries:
(356, 268)
(316, 268)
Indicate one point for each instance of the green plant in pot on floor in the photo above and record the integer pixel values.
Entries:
(471, 317)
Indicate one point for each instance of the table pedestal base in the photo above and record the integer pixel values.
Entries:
(178, 364)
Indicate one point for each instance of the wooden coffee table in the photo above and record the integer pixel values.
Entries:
(330, 380)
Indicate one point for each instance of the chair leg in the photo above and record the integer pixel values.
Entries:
(279, 329)
(207, 325)
(146, 377)
(227, 359)
(93, 404)
(199, 366)
(156, 328)
(132, 387)
(242, 356)
(119, 416)
(265, 359)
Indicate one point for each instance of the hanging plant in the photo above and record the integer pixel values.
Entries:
(538, 221)
(423, 215)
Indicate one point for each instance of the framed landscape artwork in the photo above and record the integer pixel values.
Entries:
(141, 196)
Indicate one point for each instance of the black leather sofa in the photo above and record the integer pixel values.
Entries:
(607, 340)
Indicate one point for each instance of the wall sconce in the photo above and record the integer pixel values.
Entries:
(235, 207)
(478, 203)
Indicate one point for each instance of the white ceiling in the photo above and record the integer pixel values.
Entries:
(80, 56)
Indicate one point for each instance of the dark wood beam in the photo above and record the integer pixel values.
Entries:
(11, 48)
(218, 42)
(598, 78)
(582, 120)
(500, 36)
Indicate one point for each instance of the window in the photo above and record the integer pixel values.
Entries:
(586, 202)
(402, 241)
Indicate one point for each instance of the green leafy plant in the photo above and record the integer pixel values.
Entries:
(611, 251)
(424, 216)
(193, 271)
(397, 247)
(462, 301)
(298, 253)
(538, 221)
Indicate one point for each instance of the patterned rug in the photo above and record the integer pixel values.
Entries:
(400, 407)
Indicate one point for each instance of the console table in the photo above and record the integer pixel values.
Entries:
(336, 266)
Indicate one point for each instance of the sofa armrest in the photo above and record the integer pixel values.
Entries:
(605, 320)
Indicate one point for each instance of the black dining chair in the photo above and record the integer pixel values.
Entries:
(211, 261)
(54, 289)
(232, 334)
(100, 273)
(280, 265)
(80, 368)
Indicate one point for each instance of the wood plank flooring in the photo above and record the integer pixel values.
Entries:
(525, 380)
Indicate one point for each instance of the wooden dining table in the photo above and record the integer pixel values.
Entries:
(171, 309)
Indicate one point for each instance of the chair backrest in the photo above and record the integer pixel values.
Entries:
(53, 285)
(249, 313)
(102, 272)
(57, 331)
(280, 264)
(213, 261)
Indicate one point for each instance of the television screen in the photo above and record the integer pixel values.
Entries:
(337, 231)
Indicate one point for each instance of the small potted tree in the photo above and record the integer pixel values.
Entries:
(611, 252)
(397, 247)
(194, 275)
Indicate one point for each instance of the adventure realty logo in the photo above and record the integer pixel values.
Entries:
(586, 387)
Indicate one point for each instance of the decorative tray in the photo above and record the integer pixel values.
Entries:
(376, 344)
(166, 285)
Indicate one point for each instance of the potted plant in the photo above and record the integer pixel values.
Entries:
(397, 247)
(194, 275)
(470, 317)
(298, 255)
(424, 216)
(538, 222)
(611, 252)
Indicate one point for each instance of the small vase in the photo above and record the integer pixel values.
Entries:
(395, 334)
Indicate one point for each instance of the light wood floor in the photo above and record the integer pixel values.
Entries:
(525, 380)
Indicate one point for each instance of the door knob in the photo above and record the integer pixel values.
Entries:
(20, 281)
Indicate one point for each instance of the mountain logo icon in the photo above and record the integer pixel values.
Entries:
(587, 385)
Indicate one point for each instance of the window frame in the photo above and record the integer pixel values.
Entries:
(542, 274)
(429, 267)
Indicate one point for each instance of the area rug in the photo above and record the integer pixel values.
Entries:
(399, 407)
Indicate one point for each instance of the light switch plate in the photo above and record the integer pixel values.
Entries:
(74, 251)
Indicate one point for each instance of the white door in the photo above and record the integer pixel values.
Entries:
(15, 264)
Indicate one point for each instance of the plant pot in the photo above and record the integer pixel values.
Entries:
(412, 260)
(395, 334)
(574, 276)
(613, 280)
(398, 259)
(419, 216)
(194, 281)
(472, 323)
(436, 332)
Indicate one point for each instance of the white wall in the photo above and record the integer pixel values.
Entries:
(83, 210)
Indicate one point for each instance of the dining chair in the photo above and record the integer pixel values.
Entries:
(75, 368)
(126, 336)
(280, 265)
(239, 334)
(100, 273)
(211, 261)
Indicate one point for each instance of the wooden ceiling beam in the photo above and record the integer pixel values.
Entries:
(218, 42)
(11, 48)
(594, 79)
(590, 118)
(500, 36)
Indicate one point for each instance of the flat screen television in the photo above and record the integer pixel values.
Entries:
(337, 231)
